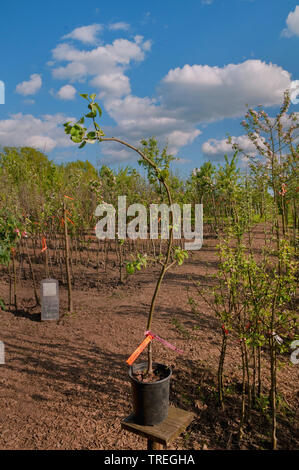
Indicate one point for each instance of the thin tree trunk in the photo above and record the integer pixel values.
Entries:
(10, 285)
(248, 380)
(254, 354)
(220, 370)
(273, 393)
(14, 280)
(259, 372)
(242, 420)
(67, 262)
(32, 274)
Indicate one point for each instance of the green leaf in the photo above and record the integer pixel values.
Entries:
(84, 95)
(98, 108)
(130, 268)
(91, 135)
(92, 114)
(74, 131)
(67, 127)
(76, 139)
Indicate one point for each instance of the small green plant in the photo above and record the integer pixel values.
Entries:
(254, 297)
(262, 404)
(139, 262)
(10, 235)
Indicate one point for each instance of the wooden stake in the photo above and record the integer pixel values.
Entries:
(67, 262)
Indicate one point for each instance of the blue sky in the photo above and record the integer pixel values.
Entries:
(181, 71)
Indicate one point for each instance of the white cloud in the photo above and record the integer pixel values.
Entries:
(105, 66)
(287, 121)
(139, 118)
(42, 142)
(294, 92)
(147, 45)
(187, 97)
(218, 148)
(86, 34)
(292, 22)
(201, 93)
(113, 84)
(44, 133)
(121, 25)
(179, 138)
(136, 118)
(30, 87)
(113, 152)
(195, 95)
(67, 92)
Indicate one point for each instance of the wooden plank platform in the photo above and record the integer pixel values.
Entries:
(165, 432)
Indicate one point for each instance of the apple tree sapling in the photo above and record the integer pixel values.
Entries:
(158, 168)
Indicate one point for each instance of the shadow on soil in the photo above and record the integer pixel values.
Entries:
(80, 372)
(26, 313)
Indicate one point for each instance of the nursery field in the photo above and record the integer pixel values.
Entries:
(65, 383)
(222, 315)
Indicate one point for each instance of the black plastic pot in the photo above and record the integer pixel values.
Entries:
(150, 400)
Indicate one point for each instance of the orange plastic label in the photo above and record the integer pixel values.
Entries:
(139, 350)
(44, 244)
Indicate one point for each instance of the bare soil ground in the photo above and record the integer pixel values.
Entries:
(65, 384)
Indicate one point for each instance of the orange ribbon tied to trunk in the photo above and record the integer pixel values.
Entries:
(139, 350)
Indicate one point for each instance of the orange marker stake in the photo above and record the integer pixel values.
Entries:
(44, 245)
(139, 350)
